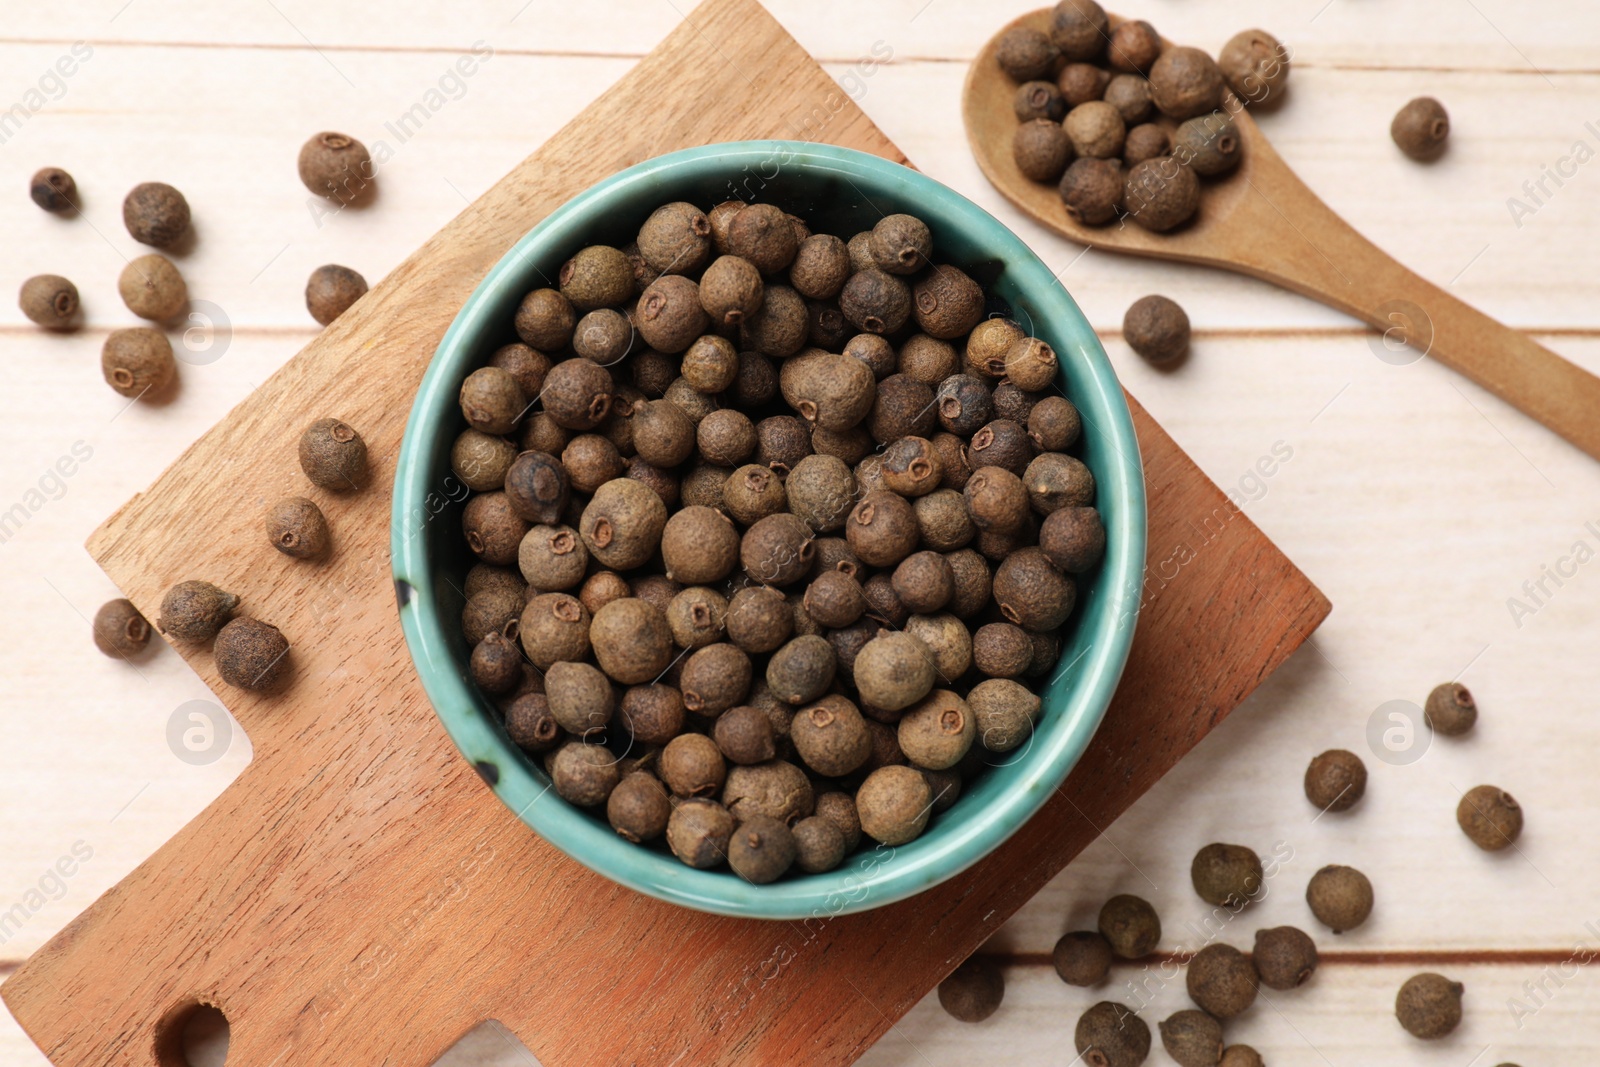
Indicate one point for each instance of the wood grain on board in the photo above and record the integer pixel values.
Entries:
(358, 895)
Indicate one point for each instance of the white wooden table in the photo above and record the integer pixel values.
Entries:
(1420, 504)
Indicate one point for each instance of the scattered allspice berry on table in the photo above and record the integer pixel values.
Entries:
(1429, 1005)
(49, 300)
(335, 165)
(53, 189)
(152, 288)
(1192, 1038)
(974, 990)
(1340, 897)
(119, 630)
(156, 214)
(331, 290)
(1421, 129)
(1110, 1034)
(1490, 817)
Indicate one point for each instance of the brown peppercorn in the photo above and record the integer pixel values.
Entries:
(1340, 898)
(831, 736)
(777, 790)
(155, 214)
(584, 774)
(699, 545)
(882, 529)
(676, 239)
(1255, 65)
(834, 599)
(901, 244)
(651, 714)
(1041, 150)
(1429, 1005)
(698, 833)
(924, 582)
(802, 670)
(1001, 650)
(1024, 53)
(1080, 29)
(491, 401)
(1450, 709)
(119, 630)
(1096, 130)
(137, 362)
(545, 320)
(529, 725)
(1053, 424)
(555, 627)
(1130, 95)
(780, 327)
(1185, 82)
(937, 732)
(1285, 957)
(1130, 926)
(663, 436)
(1091, 191)
(1421, 128)
(894, 804)
(1055, 480)
(1221, 980)
(996, 500)
(947, 304)
(974, 991)
(1110, 1034)
(1145, 141)
(691, 766)
(1038, 100)
(251, 654)
(894, 671)
(1336, 780)
(496, 663)
(632, 640)
(715, 678)
(1073, 539)
(1081, 82)
(763, 234)
(331, 290)
(1134, 47)
(669, 316)
(1192, 1038)
(50, 301)
(1160, 195)
(638, 809)
(876, 302)
(152, 288)
(1208, 144)
(1156, 328)
(1031, 364)
(761, 850)
(821, 267)
(53, 189)
(1245, 1056)
(536, 488)
(1082, 958)
(744, 735)
(1490, 817)
(904, 407)
(623, 523)
(1227, 875)
(777, 549)
(336, 166)
(296, 527)
(731, 291)
(781, 442)
(973, 583)
(552, 558)
(195, 611)
(598, 276)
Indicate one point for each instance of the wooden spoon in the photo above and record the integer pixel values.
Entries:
(1263, 221)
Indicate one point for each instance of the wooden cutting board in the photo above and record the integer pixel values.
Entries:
(358, 896)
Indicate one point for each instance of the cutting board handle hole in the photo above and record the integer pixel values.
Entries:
(192, 1034)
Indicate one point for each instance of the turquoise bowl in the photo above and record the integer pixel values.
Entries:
(836, 191)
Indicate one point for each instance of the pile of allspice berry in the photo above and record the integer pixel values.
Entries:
(775, 530)
(1124, 125)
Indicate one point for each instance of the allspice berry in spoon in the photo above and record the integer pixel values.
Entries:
(297, 528)
(1226, 875)
(973, 992)
(1096, 130)
(1208, 144)
(1130, 95)
(1421, 128)
(1025, 53)
(1429, 1005)
(1134, 47)
(1036, 100)
(331, 290)
(49, 300)
(1336, 780)
(152, 288)
(119, 630)
(1192, 1038)
(1285, 957)
(1242, 1056)
(137, 361)
(155, 214)
(1221, 980)
(1091, 190)
(1160, 195)
(53, 189)
(1110, 1034)
(333, 455)
(1185, 82)
(1082, 82)
(1130, 926)
(1146, 140)
(1080, 29)
(1450, 709)
(335, 165)
(1041, 150)
(1082, 958)
(195, 611)
(1340, 897)
(251, 654)
(1156, 328)
(1490, 817)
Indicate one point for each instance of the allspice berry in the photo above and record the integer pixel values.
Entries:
(331, 290)
(584, 774)
(297, 528)
(1226, 875)
(1221, 980)
(938, 731)
(333, 455)
(776, 789)
(1340, 898)
(496, 663)
(552, 558)
(761, 850)
(973, 992)
(53, 189)
(137, 361)
(1156, 328)
(1079, 28)
(802, 670)
(638, 808)
(623, 523)
(1244, 1056)
(631, 640)
(1082, 958)
(894, 671)
(1134, 47)
(555, 627)
(1110, 1034)
(155, 214)
(1450, 709)
(744, 735)
(1185, 82)
(546, 320)
(943, 522)
(1032, 593)
(1025, 53)
(1421, 128)
(195, 611)
(1054, 480)
(577, 394)
(676, 239)
(669, 316)
(834, 599)
(894, 804)
(1192, 1038)
(1038, 100)
(819, 845)
(1130, 95)
(1082, 82)
(715, 678)
(152, 288)
(947, 303)
(764, 235)
(780, 327)
(1160, 195)
(1255, 65)
(1041, 150)
(698, 833)
(699, 546)
(1005, 712)
(904, 407)
(50, 301)
(1096, 130)
(777, 550)
(924, 582)
(491, 400)
(1130, 926)
(1285, 957)
(759, 619)
(1073, 539)
(692, 766)
(882, 529)
(1091, 191)
(831, 736)
(119, 630)
(537, 488)
(335, 165)
(821, 490)
(1336, 780)
(1490, 817)
(901, 244)
(876, 302)
(1001, 650)
(1208, 144)
(1429, 1005)
(251, 654)
(821, 267)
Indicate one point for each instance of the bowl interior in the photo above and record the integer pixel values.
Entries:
(841, 192)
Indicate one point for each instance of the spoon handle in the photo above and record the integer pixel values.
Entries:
(1301, 243)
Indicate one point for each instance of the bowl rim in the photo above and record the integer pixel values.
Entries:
(464, 712)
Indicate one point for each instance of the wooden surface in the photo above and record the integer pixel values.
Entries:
(1420, 503)
(357, 868)
(1262, 220)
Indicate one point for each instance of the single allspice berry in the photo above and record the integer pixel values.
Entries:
(1041, 150)
(1186, 82)
(1208, 144)
(1192, 1038)
(1429, 1005)
(1490, 817)
(331, 290)
(761, 850)
(901, 244)
(1091, 190)
(53, 189)
(1130, 926)
(335, 165)
(1285, 957)
(894, 803)
(496, 663)
(1156, 328)
(1255, 65)
(1110, 1034)
(251, 654)
(974, 990)
(119, 630)
(1421, 128)
(137, 362)
(1082, 958)
(50, 301)
(155, 214)
(1340, 897)
(1245, 1056)
(1226, 875)
(1082, 82)
(584, 774)
(152, 288)
(195, 611)
(333, 455)
(1160, 195)
(638, 808)
(297, 528)
(1450, 709)
(1336, 780)
(1025, 53)
(819, 845)
(1222, 980)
